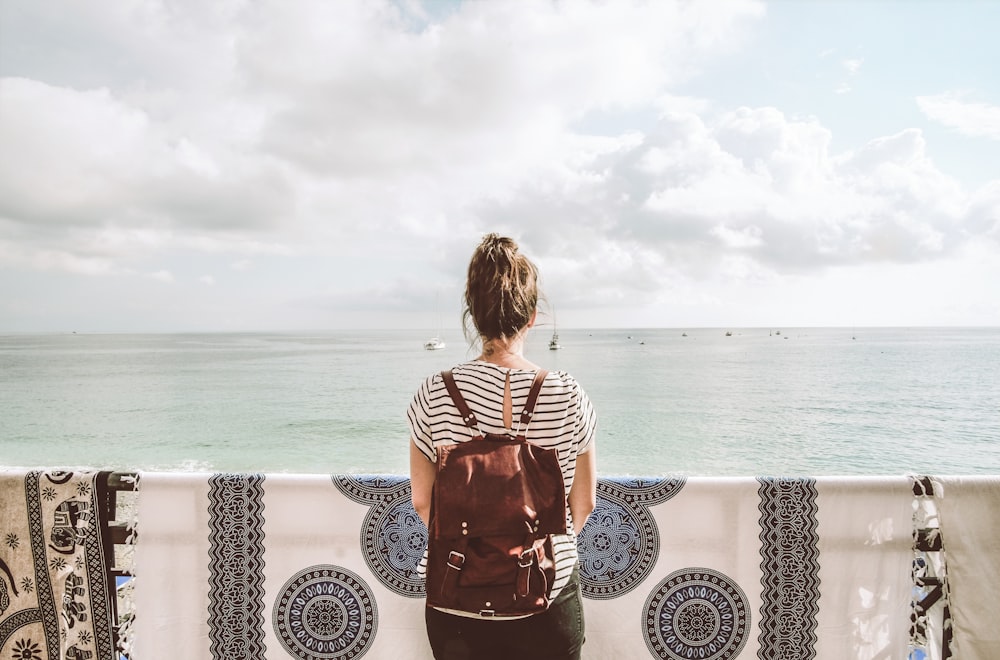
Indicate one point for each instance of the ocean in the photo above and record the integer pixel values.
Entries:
(780, 402)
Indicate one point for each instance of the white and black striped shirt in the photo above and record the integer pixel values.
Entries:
(563, 420)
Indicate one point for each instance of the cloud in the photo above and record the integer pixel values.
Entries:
(853, 65)
(982, 216)
(749, 192)
(748, 237)
(88, 160)
(310, 125)
(13, 255)
(164, 276)
(975, 119)
(368, 144)
(388, 102)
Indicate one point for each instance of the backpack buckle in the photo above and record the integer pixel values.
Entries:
(526, 558)
(456, 560)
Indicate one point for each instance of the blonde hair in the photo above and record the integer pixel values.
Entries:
(501, 290)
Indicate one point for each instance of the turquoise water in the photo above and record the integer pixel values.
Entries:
(806, 401)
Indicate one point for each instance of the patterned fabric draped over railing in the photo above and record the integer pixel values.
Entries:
(254, 566)
(56, 601)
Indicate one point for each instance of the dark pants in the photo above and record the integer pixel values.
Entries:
(555, 634)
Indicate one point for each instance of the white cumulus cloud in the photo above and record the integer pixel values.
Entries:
(972, 118)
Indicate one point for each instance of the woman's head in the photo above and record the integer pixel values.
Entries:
(501, 290)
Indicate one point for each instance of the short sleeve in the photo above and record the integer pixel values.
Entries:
(585, 424)
(418, 418)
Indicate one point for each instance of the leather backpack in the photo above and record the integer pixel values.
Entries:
(495, 502)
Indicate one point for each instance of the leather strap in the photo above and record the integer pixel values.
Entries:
(453, 567)
(527, 565)
(468, 416)
(529, 405)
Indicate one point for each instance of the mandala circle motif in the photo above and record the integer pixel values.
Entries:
(617, 547)
(646, 490)
(696, 613)
(325, 613)
(370, 488)
(394, 538)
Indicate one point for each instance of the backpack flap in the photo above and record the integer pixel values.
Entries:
(498, 487)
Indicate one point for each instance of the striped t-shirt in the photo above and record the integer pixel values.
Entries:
(563, 420)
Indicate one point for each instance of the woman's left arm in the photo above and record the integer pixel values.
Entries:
(583, 493)
(422, 474)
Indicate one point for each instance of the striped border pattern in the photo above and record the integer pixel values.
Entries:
(236, 566)
(790, 568)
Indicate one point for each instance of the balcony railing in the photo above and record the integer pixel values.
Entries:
(327, 566)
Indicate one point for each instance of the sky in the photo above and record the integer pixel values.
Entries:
(298, 165)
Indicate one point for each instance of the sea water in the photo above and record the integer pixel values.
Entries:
(789, 401)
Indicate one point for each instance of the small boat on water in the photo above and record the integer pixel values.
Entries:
(728, 333)
(434, 344)
(554, 342)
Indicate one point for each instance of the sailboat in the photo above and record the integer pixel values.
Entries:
(554, 342)
(435, 343)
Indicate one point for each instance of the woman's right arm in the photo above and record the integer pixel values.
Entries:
(422, 474)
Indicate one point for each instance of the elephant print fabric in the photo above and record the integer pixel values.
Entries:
(55, 600)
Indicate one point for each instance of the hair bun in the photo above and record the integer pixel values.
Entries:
(494, 246)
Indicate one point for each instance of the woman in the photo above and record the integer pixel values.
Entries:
(501, 297)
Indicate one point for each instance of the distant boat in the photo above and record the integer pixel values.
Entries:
(729, 334)
(435, 343)
(684, 334)
(554, 342)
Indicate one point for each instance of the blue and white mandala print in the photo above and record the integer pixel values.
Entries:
(325, 612)
(393, 536)
(620, 543)
(696, 613)
(370, 488)
(394, 539)
(617, 548)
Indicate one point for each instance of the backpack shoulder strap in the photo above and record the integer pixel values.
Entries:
(529, 405)
(468, 416)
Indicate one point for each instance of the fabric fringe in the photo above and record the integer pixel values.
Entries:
(930, 618)
(126, 594)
